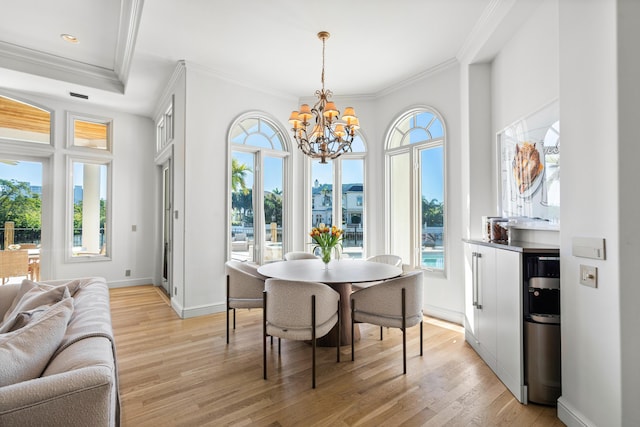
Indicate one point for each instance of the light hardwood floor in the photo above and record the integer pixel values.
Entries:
(176, 372)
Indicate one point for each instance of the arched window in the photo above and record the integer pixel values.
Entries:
(415, 199)
(347, 208)
(257, 189)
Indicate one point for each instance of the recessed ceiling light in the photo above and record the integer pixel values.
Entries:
(69, 38)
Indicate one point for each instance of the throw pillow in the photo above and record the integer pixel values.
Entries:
(33, 298)
(25, 353)
(24, 317)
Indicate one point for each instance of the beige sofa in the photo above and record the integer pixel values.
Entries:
(78, 386)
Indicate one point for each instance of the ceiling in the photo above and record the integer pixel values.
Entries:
(128, 49)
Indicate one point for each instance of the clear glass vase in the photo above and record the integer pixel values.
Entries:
(325, 254)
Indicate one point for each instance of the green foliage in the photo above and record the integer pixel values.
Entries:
(273, 206)
(238, 174)
(77, 214)
(432, 212)
(19, 204)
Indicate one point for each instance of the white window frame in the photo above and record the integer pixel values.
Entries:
(71, 120)
(415, 190)
(260, 153)
(69, 257)
(336, 208)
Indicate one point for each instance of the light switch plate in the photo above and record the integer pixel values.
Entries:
(588, 247)
(589, 276)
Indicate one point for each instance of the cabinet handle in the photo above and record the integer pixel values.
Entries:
(478, 256)
(474, 277)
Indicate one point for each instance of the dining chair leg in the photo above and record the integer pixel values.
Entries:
(421, 338)
(353, 312)
(313, 341)
(234, 319)
(380, 333)
(339, 329)
(264, 333)
(279, 345)
(404, 332)
(227, 309)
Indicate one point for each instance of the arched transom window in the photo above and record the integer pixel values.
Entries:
(415, 159)
(257, 189)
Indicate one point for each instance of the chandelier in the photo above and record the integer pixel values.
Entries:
(329, 137)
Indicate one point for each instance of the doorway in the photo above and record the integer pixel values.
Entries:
(167, 227)
(20, 219)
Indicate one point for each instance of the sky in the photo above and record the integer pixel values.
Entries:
(30, 172)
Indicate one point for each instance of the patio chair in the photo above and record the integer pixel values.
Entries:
(14, 264)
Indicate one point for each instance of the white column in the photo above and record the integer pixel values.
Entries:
(91, 208)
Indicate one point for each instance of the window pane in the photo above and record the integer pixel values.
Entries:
(400, 203)
(89, 209)
(242, 230)
(321, 193)
(352, 207)
(24, 122)
(90, 134)
(432, 207)
(357, 146)
(273, 185)
(21, 213)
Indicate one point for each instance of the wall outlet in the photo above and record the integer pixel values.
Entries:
(134, 228)
(175, 291)
(589, 276)
(127, 273)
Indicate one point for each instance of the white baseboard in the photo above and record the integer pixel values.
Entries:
(196, 311)
(131, 282)
(570, 415)
(448, 315)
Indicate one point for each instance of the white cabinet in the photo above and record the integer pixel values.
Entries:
(480, 296)
(493, 311)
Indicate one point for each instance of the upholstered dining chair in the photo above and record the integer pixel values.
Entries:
(394, 260)
(290, 256)
(244, 288)
(300, 311)
(394, 303)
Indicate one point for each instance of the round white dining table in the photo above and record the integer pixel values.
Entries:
(340, 275)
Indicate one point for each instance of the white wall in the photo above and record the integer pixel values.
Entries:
(212, 104)
(629, 229)
(444, 294)
(132, 202)
(591, 206)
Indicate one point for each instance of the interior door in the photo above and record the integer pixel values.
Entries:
(167, 228)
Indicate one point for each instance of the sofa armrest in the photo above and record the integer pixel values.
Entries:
(81, 397)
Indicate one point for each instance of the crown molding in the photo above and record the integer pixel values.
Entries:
(130, 15)
(449, 63)
(54, 67)
(169, 89)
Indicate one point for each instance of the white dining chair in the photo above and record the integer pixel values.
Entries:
(390, 259)
(394, 303)
(290, 256)
(302, 311)
(244, 288)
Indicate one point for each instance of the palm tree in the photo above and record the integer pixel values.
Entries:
(238, 173)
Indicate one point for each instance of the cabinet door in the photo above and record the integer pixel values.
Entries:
(509, 321)
(470, 315)
(486, 307)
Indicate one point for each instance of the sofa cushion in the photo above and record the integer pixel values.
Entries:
(32, 299)
(25, 353)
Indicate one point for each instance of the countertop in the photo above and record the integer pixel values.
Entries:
(519, 246)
